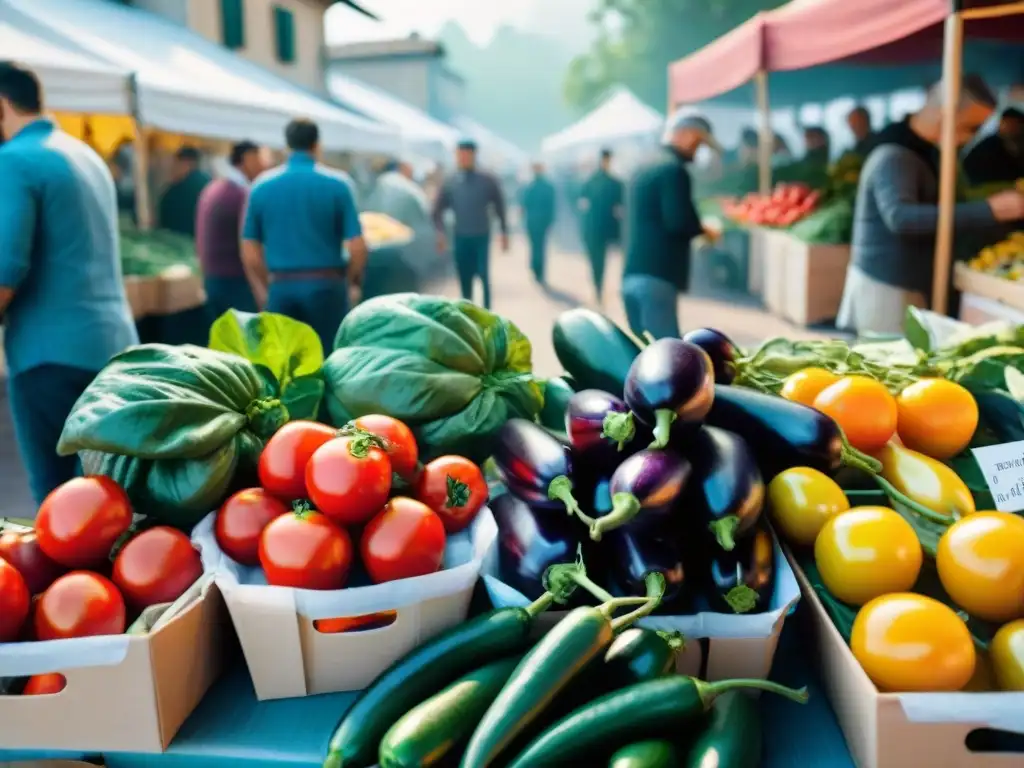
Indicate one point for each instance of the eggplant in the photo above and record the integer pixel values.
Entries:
(742, 581)
(726, 492)
(535, 465)
(599, 427)
(529, 541)
(671, 381)
(722, 352)
(644, 489)
(593, 350)
(632, 556)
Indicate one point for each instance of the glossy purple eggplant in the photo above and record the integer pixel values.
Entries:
(720, 349)
(601, 430)
(535, 465)
(726, 492)
(645, 490)
(670, 382)
(742, 581)
(632, 556)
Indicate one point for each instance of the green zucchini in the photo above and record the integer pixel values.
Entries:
(556, 401)
(594, 351)
(654, 753)
(731, 737)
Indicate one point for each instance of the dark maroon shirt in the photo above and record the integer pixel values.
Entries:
(218, 228)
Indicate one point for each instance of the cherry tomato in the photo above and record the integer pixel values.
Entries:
(79, 604)
(804, 386)
(156, 566)
(241, 520)
(80, 521)
(405, 540)
(980, 560)
(863, 408)
(282, 465)
(14, 602)
(801, 500)
(398, 442)
(866, 552)
(43, 685)
(454, 487)
(349, 479)
(908, 642)
(1007, 652)
(936, 417)
(304, 549)
(22, 550)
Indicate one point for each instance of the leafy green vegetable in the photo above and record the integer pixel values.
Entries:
(1014, 383)
(286, 352)
(450, 369)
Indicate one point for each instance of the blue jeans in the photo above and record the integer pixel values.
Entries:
(321, 303)
(473, 259)
(651, 306)
(224, 293)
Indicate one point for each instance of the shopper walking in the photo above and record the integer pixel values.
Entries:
(538, 201)
(177, 211)
(600, 202)
(61, 292)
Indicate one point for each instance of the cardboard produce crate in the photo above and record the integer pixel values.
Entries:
(143, 295)
(1008, 292)
(179, 290)
(755, 260)
(803, 282)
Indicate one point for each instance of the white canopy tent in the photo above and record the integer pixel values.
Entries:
(186, 84)
(620, 117)
(495, 152)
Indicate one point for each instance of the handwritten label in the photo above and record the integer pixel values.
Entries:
(1003, 467)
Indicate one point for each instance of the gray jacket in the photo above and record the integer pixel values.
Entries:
(471, 196)
(896, 215)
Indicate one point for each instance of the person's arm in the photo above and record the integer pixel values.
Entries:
(18, 213)
(253, 258)
(677, 209)
(498, 201)
(352, 234)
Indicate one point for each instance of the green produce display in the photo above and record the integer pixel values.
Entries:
(731, 737)
(654, 753)
(831, 224)
(556, 398)
(451, 370)
(147, 254)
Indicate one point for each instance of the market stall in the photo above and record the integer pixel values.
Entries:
(620, 121)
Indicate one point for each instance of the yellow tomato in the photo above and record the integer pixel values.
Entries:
(866, 552)
(803, 386)
(936, 417)
(980, 560)
(863, 408)
(927, 481)
(1007, 652)
(801, 500)
(908, 642)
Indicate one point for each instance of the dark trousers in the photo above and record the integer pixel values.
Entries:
(597, 252)
(41, 399)
(224, 293)
(538, 251)
(320, 303)
(473, 259)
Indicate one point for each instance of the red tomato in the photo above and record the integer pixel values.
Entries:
(23, 552)
(242, 519)
(282, 467)
(304, 549)
(80, 521)
(79, 604)
(42, 685)
(349, 479)
(406, 539)
(14, 602)
(398, 442)
(156, 566)
(454, 487)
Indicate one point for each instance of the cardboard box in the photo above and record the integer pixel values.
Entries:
(127, 693)
(892, 730)
(755, 263)
(143, 295)
(979, 310)
(288, 657)
(803, 282)
(1007, 292)
(179, 290)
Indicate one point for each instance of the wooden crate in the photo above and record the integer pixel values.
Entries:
(803, 282)
(143, 295)
(991, 287)
(755, 263)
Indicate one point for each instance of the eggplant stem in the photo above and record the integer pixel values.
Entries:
(708, 692)
(741, 598)
(561, 489)
(655, 582)
(725, 531)
(914, 506)
(663, 418)
(611, 606)
(541, 604)
(618, 427)
(585, 582)
(625, 507)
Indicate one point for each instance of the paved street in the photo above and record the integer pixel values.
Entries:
(517, 297)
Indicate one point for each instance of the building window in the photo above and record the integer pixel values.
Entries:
(284, 29)
(232, 23)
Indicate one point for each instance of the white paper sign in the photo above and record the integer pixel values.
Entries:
(1003, 467)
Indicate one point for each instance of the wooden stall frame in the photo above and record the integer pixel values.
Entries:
(143, 200)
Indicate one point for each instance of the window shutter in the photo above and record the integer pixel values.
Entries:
(232, 19)
(284, 26)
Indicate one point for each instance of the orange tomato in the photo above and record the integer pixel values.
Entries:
(863, 408)
(908, 642)
(936, 417)
(804, 386)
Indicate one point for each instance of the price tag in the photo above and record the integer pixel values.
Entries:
(1003, 468)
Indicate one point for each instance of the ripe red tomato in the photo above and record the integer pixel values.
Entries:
(454, 487)
(42, 685)
(406, 539)
(22, 550)
(398, 442)
(306, 550)
(349, 479)
(156, 566)
(80, 521)
(14, 602)
(79, 604)
(242, 519)
(282, 466)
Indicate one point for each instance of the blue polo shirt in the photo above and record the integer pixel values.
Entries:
(302, 212)
(59, 252)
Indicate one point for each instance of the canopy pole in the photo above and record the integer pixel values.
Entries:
(765, 135)
(952, 63)
(140, 170)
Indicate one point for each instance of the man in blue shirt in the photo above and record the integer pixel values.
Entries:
(61, 290)
(299, 218)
